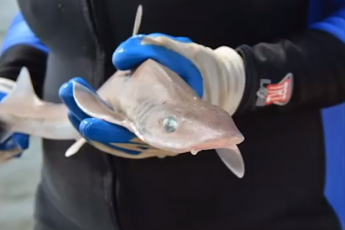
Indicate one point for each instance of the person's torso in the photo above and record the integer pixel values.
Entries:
(284, 153)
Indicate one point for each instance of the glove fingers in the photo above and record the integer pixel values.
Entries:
(93, 129)
(82, 81)
(74, 120)
(115, 137)
(129, 54)
(66, 95)
(132, 53)
(101, 131)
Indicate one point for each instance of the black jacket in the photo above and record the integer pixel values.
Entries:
(284, 150)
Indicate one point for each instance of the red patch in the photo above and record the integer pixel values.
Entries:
(280, 93)
(277, 94)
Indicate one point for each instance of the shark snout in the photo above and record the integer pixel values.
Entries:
(219, 143)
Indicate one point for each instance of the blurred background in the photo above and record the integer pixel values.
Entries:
(18, 178)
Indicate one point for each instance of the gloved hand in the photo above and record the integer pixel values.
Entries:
(15, 143)
(12, 51)
(107, 137)
(218, 76)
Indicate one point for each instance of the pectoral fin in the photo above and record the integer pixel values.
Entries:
(94, 106)
(232, 158)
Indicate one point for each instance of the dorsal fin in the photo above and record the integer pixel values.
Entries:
(137, 21)
(23, 92)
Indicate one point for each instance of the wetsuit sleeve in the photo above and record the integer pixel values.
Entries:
(21, 47)
(305, 71)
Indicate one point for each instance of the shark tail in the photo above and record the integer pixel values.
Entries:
(21, 91)
(22, 111)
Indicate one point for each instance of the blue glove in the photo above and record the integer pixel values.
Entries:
(217, 76)
(133, 52)
(114, 139)
(20, 33)
(15, 144)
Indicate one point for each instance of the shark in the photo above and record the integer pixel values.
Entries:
(151, 101)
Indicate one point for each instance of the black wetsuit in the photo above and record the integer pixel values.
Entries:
(285, 146)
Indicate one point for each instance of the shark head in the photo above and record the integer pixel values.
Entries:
(191, 127)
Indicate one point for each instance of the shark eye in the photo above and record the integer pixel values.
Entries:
(170, 124)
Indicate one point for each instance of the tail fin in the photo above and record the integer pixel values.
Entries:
(23, 94)
(23, 112)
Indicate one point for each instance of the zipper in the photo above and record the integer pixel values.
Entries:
(97, 25)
